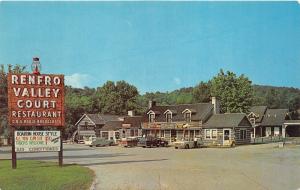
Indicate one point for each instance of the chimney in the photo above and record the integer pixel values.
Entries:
(151, 104)
(215, 102)
(131, 113)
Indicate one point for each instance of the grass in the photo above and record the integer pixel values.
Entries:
(31, 175)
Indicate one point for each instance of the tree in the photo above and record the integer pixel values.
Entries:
(235, 93)
(201, 92)
(4, 130)
(272, 99)
(116, 98)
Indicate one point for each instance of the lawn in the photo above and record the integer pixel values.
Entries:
(31, 175)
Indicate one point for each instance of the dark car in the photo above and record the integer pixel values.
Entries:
(152, 142)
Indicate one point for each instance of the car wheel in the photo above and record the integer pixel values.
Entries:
(187, 146)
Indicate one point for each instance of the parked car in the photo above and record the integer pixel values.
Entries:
(102, 142)
(80, 141)
(152, 142)
(130, 141)
(90, 140)
(186, 144)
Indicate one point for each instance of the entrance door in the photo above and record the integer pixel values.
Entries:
(226, 137)
(268, 131)
(276, 131)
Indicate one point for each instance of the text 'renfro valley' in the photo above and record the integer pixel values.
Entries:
(36, 99)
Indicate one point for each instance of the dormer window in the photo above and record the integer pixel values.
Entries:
(169, 117)
(187, 116)
(169, 114)
(151, 117)
(187, 113)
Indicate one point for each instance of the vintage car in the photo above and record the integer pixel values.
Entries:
(152, 142)
(102, 142)
(188, 143)
(89, 140)
(129, 141)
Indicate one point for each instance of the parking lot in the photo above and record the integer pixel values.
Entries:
(243, 167)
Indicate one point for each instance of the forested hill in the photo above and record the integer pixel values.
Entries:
(271, 96)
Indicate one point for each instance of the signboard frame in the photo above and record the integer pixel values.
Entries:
(46, 99)
(15, 126)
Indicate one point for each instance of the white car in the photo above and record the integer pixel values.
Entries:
(186, 144)
(90, 140)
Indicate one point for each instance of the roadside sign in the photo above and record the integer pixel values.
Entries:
(37, 141)
(36, 100)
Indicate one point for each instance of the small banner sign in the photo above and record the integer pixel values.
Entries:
(36, 100)
(37, 141)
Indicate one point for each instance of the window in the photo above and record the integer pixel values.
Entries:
(243, 134)
(132, 132)
(187, 117)
(169, 117)
(162, 133)
(211, 133)
(151, 117)
(207, 133)
(214, 133)
(105, 135)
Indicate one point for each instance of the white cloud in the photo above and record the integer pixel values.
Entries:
(177, 80)
(77, 80)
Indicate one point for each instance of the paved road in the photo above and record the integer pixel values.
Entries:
(244, 167)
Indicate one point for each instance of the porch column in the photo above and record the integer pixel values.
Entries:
(283, 130)
(254, 132)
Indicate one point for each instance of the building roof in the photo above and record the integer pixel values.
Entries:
(274, 117)
(101, 119)
(259, 111)
(199, 111)
(112, 126)
(134, 121)
(227, 120)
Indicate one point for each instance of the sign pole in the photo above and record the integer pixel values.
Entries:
(13, 151)
(60, 153)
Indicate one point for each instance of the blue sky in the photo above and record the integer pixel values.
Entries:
(156, 46)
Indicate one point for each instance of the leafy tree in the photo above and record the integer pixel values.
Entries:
(235, 93)
(116, 98)
(294, 103)
(4, 130)
(272, 100)
(201, 92)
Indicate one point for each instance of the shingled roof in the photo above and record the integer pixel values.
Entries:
(227, 120)
(134, 121)
(274, 117)
(101, 119)
(258, 111)
(112, 126)
(199, 111)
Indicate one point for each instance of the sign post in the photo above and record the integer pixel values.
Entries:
(13, 152)
(36, 100)
(60, 153)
